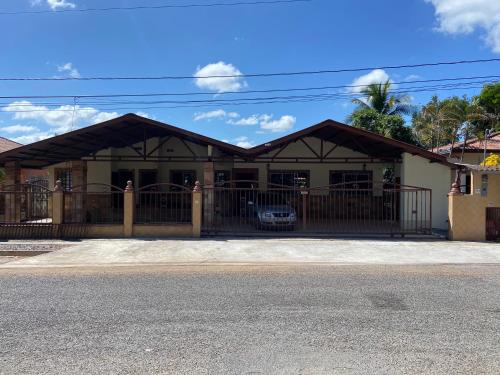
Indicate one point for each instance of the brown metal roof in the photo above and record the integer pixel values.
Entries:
(356, 139)
(131, 129)
(119, 132)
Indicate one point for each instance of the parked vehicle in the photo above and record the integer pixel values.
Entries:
(273, 211)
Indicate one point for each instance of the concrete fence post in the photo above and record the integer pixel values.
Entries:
(128, 210)
(304, 194)
(197, 206)
(58, 204)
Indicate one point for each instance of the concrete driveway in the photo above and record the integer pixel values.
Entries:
(128, 252)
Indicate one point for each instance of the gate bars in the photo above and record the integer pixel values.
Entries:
(241, 207)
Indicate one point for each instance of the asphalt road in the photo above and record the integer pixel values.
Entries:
(252, 320)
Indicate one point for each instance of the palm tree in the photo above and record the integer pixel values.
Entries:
(461, 113)
(378, 96)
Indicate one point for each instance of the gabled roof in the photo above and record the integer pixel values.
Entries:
(356, 139)
(131, 129)
(119, 132)
(7, 144)
(474, 145)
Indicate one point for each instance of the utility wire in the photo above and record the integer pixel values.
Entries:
(239, 92)
(298, 99)
(276, 74)
(153, 7)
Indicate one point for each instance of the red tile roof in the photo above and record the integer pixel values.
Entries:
(7, 144)
(474, 145)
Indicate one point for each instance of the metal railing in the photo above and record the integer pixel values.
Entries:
(163, 203)
(25, 212)
(348, 208)
(93, 204)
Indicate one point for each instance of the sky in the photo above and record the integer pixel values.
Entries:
(247, 39)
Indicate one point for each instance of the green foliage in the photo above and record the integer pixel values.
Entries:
(378, 96)
(392, 126)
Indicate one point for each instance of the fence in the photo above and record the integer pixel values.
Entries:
(93, 204)
(361, 208)
(25, 211)
(163, 204)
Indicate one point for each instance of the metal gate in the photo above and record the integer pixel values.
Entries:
(493, 224)
(25, 212)
(244, 208)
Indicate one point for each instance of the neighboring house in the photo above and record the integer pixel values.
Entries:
(473, 152)
(329, 178)
(29, 175)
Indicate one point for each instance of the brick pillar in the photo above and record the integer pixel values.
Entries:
(197, 210)
(13, 198)
(208, 194)
(58, 204)
(79, 180)
(128, 210)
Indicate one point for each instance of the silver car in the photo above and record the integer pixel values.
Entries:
(273, 211)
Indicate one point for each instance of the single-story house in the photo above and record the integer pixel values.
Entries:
(329, 178)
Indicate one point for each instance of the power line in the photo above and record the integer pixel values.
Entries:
(155, 7)
(84, 96)
(275, 74)
(237, 102)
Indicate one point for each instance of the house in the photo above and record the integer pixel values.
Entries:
(329, 178)
(31, 175)
(473, 152)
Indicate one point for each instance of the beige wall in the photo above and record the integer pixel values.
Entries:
(467, 213)
(418, 171)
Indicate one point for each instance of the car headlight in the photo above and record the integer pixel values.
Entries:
(292, 215)
(268, 214)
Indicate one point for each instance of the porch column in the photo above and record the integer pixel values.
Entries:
(79, 179)
(13, 199)
(128, 210)
(197, 210)
(208, 192)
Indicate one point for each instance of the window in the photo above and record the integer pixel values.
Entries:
(183, 178)
(295, 179)
(222, 178)
(362, 180)
(64, 175)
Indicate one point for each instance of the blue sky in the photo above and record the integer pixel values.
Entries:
(315, 35)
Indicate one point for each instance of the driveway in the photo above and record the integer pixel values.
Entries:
(130, 252)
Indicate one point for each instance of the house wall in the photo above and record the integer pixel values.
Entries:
(418, 171)
(467, 213)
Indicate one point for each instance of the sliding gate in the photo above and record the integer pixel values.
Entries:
(364, 208)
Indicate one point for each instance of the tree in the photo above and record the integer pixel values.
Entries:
(431, 124)
(378, 96)
(489, 100)
(392, 126)
(381, 112)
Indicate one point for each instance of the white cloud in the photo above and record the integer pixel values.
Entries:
(411, 77)
(60, 119)
(217, 114)
(465, 16)
(13, 129)
(30, 138)
(375, 76)
(219, 84)
(282, 124)
(70, 69)
(55, 4)
(243, 142)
